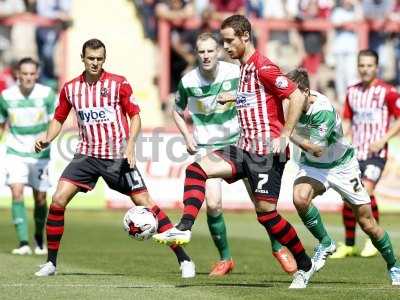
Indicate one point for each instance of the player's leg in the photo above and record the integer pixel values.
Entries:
(212, 165)
(39, 216)
(17, 177)
(379, 238)
(304, 190)
(20, 219)
(369, 249)
(143, 198)
(282, 255)
(39, 181)
(81, 174)
(265, 175)
(121, 177)
(216, 225)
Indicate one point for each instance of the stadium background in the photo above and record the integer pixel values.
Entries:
(141, 60)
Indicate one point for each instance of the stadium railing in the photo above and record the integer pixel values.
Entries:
(37, 20)
(263, 28)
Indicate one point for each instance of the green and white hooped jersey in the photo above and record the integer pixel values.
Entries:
(322, 125)
(27, 117)
(215, 125)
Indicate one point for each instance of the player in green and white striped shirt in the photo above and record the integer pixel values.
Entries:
(328, 161)
(215, 125)
(27, 108)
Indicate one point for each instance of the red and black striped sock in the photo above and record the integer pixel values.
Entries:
(349, 221)
(374, 207)
(193, 196)
(282, 231)
(54, 231)
(164, 224)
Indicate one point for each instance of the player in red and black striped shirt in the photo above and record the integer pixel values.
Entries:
(369, 108)
(103, 103)
(260, 154)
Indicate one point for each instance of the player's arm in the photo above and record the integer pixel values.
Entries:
(180, 122)
(134, 131)
(283, 88)
(130, 107)
(294, 110)
(2, 129)
(306, 145)
(181, 101)
(321, 126)
(347, 116)
(55, 126)
(393, 101)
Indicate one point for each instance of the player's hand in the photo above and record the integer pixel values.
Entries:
(223, 98)
(130, 155)
(191, 145)
(41, 144)
(376, 146)
(279, 145)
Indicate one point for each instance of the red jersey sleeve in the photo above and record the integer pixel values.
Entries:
(127, 99)
(393, 102)
(63, 108)
(275, 82)
(347, 111)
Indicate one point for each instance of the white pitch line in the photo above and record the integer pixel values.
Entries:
(157, 286)
(88, 285)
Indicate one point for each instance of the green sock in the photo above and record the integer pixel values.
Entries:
(384, 246)
(218, 234)
(39, 215)
(275, 245)
(312, 220)
(19, 219)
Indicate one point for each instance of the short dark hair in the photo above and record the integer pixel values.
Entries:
(93, 44)
(240, 24)
(369, 52)
(27, 60)
(205, 36)
(300, 77)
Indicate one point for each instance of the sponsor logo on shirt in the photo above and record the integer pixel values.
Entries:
(241, 101)
(281, 82)
(96, 115)
(226, 86)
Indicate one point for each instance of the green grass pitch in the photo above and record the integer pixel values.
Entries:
(98, 260)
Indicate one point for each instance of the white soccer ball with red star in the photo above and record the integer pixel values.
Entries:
(140, 223)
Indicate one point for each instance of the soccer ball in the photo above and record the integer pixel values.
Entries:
(140, 223)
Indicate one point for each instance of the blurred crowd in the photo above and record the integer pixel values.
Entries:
(24, 23)
(329, 56)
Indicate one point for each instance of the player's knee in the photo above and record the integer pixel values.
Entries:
(214, 207)
(59, 199)
(367, 224)
(142, 199)
(301, 199)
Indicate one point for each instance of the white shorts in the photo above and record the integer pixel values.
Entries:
(345, 180)
(28, 171)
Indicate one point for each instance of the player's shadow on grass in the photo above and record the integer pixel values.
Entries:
(90, 274)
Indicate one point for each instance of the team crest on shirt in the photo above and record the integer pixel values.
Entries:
(322, 129)
(104, 92)
(197, 92)
(226, 86)
(281, 82)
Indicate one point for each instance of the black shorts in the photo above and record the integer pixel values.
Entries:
(264, 172)
(372, 168)
(84, 171)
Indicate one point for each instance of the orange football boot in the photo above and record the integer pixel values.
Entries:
(222, 267)
(286, 260)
